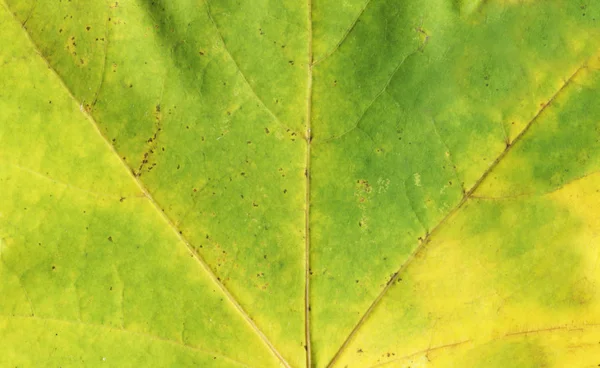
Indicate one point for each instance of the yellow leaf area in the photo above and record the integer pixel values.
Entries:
(511, 278)
(366, 183)
(489, 304)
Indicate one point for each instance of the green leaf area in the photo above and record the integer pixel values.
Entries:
(275, 183)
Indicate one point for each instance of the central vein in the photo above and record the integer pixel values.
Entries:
(307, 193)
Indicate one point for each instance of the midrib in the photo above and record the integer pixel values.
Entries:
(308, 138)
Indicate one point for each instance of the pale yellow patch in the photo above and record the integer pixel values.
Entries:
(417, 179)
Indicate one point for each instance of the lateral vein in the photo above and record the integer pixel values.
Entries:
(154, 204)
(427, 239)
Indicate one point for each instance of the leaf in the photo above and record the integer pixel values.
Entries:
(365, 183)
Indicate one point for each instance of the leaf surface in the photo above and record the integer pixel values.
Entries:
(265, 183)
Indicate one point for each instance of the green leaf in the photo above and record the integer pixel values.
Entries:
(265, 183)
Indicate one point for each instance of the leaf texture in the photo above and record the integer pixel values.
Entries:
(300, 184)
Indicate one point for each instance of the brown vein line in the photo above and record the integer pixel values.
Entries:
(464, 199)
(565, 327)
(561, 328)
(154, 204)
(148, 336)
(424, 351)
(549, 329)
(307, 193)
(344, 36)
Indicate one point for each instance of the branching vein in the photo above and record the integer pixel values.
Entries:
(344, 36)
(422, 245)
(156, 206)
(220, 35)
(356, 125)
